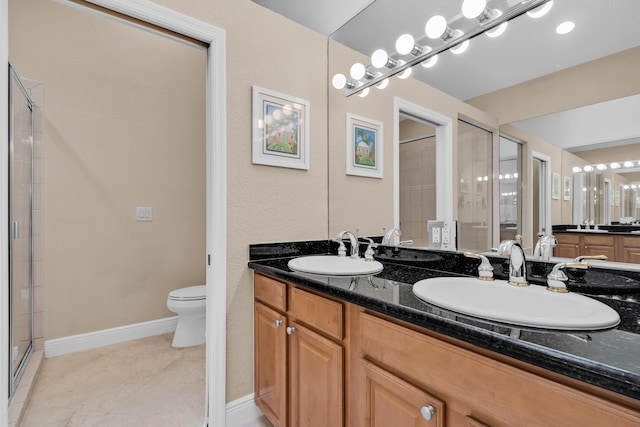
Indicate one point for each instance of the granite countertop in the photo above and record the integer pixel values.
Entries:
(609, 359)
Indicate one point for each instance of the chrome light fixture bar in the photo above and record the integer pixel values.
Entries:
(452, 36)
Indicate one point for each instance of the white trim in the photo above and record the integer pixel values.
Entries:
(81, 342)
(216, 272)
(444, 158)
(545, 190)
(4, 211)
(243, 411)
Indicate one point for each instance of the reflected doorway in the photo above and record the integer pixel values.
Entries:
(417, 177)
(540, 196)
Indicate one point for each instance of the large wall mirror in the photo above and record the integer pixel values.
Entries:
(508, 87)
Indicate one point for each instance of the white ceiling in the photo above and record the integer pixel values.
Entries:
(529, 48)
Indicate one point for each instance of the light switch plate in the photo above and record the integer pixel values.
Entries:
(144, 214)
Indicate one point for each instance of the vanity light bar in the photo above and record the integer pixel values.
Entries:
(627, 164)
(377, 75)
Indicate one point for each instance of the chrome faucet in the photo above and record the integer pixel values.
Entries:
(352, 239)
(517, 261)
(544, 246)
(556, 280)
(387, 236)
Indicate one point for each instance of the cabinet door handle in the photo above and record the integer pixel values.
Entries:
(291, 330)
(427, 412)
(278, 323)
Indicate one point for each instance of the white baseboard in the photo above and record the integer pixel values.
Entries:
(74, 343)
(243, 412)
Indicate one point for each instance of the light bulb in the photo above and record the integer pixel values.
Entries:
(339, 81)
(565, 27)
(628, 164)
(383, 84)
(540, 11)
(461, 48)
(473, 8)
(436, 26)
(357, 71)
(379, 58)
(577, 169)
(497, 31)
(405, 44)
(614, 165)
(588, 168)
(405, 74)
(601, 167)
(515, 175)
(364, 92)
(430, 62)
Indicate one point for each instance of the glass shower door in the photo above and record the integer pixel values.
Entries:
(20, 272)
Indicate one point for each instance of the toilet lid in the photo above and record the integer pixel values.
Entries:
(189, 293)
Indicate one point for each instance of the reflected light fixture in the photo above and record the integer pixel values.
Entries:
(540, 11)
(430, 62)
(364, 92)
(441, 34)
(383, 84)
(462, 47)
(499, 30)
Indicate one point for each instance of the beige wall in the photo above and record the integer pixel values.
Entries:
(603, 79)
(103, 268)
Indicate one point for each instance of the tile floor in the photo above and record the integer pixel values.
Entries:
(138, 383)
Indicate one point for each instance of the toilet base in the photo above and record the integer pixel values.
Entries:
(190, 331)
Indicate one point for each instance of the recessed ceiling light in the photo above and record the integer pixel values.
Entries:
(565, 27)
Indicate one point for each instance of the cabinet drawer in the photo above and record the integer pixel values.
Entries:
(270, 292)
(631, 242)
(568, 238)
(598, 240)
(322, 314)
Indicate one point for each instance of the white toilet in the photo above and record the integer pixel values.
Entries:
(190, 305)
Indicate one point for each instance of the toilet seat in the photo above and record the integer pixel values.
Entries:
(190, 293)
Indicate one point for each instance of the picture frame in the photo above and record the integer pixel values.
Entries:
(555, 186)
(280, 129)
(567, 188)
(365, 144)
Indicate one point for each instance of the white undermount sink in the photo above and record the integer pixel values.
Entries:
(331, 265)
(531, 306)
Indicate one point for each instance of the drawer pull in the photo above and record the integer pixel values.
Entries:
(291, 330)
(278, 323)
(427, 412)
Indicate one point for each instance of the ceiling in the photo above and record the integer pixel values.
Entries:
(530, 48)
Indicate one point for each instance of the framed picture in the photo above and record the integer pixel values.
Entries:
(364, 146)
(555, 186)
(280, 129)
(567, 188)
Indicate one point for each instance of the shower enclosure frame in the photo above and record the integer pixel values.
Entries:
(15, 376)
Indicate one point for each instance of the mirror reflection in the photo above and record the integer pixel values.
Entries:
(490, 92)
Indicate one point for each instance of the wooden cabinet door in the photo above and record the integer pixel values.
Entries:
(315, 379)
(608, 251)
(392, 401)
(270, 359)
(568, 246)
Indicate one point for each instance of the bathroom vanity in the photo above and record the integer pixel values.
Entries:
(334, 351)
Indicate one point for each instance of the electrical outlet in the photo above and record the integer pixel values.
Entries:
(445, 234)
(435, 238)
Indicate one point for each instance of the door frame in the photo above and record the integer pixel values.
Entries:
(444, 158)
(545, 192)
(215, 257)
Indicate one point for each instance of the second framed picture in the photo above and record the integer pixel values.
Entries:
(364, 146)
